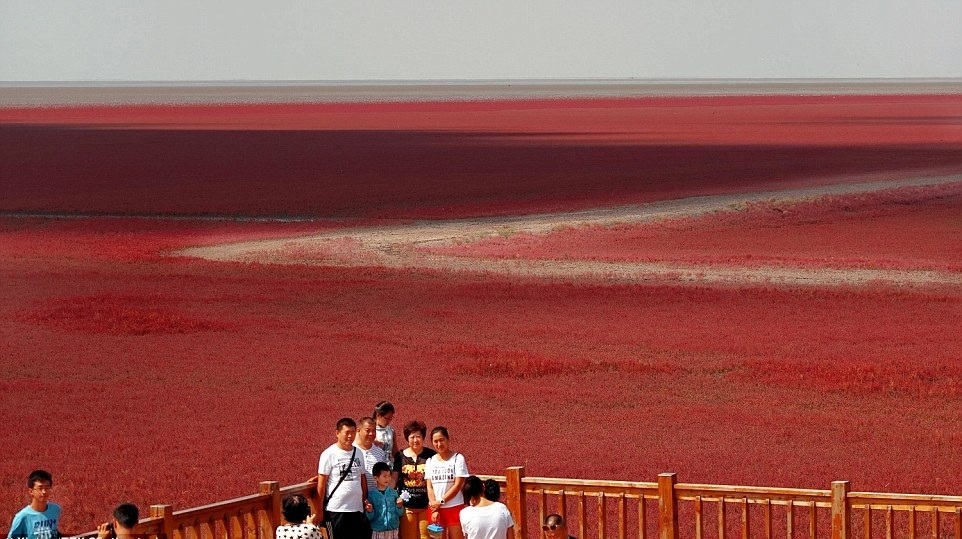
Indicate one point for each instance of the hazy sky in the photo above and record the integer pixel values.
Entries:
(477, 39)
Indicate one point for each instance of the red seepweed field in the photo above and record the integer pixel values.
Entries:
(133, 372)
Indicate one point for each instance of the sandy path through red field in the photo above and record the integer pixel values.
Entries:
(396, 246)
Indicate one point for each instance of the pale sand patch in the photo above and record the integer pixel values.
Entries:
(395, 246)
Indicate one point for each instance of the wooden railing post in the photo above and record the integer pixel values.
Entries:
(165, 512)
(517, 501)
(274, 512)
(667, 506)
(841, 516)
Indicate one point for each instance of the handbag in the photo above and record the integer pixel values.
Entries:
(327, 497)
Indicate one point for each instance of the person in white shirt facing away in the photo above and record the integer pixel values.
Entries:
(485, 517)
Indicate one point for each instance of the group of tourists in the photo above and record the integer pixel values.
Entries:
(371, 489)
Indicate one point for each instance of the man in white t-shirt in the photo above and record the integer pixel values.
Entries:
(341, 484)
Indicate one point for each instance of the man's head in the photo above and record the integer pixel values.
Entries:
(554, 527)
(126, 516)
(492, 490)
(39, 485)
(346, 430)
(366, 432)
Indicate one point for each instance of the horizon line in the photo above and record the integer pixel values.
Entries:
(115, 92)
(489, 81)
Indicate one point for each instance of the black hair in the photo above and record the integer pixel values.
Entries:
(554, 519)
(492, 490)
(442, 430)
(366, 420)
(127, 515)
(295, 508)
(415, 426)
(383, 408)
(473, 488)
(345, 422)
(39, 475)
(380, 467)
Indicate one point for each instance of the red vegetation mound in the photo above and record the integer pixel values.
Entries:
(119, 315)
(494, 362)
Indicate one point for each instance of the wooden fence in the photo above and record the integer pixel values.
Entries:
(664, 509)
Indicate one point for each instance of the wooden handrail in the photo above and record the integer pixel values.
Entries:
(693, 489)
(233, 504)
(933, 499)
(301, 488)
(588, 483)
(256, 516)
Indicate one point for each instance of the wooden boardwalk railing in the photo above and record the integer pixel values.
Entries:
(664, 509)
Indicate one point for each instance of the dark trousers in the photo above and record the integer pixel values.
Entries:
(348, 526)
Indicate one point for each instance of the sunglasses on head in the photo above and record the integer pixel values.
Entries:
(550, 527)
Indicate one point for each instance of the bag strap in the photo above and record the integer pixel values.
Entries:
(344, 472)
